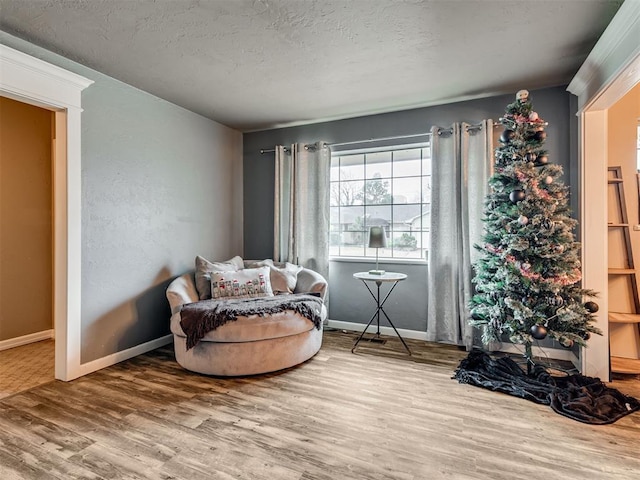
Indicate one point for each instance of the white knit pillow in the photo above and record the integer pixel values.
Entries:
(247, 283)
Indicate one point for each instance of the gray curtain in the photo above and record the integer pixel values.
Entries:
(462, 160)
(301, 230)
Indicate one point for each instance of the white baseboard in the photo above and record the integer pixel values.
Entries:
(26, 339)
(358, 327)
(100, 363)
(555, 353)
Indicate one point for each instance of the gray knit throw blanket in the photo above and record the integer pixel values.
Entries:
(199, 318)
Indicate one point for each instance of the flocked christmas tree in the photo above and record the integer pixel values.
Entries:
(528, 276)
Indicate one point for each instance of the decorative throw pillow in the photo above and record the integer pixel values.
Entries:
(283, 278)
(204, 268)
(247, 283)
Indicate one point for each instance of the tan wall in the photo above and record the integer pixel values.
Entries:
(622, 125)
(25, 219)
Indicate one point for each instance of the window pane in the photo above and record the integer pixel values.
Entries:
(379, 215)
(334, 196)
(404, 215)
(351, 218)
(335, 169)
(407, 190)
(377, 191)
(382, 252)
(407, 163)
(426, 217)
(352, 250)
(379, 165)
(426, 161)
(334, 222)
(407, 244)
(352, 236)
(348, 193)
(426, 189)
(352, 167)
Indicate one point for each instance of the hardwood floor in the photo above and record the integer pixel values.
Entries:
(376, 414)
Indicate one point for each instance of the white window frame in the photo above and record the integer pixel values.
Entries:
(369, 254)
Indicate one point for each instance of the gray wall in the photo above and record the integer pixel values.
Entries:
(160, 185)
(349, 299)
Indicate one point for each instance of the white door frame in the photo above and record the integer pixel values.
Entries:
(610, 71)
(30, 80)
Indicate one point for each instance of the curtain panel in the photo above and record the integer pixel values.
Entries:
(462, 162)
(301, 206)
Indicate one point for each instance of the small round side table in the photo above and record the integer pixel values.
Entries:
(394, 279)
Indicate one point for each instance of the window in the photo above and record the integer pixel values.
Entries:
(385, 186)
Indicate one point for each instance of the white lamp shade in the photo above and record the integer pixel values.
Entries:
(377, 237)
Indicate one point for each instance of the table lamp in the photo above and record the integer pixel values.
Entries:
(377, 240)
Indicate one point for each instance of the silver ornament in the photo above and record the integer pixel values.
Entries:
(548, 179)
(522, 220)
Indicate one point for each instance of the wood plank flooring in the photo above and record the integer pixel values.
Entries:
(376, 414)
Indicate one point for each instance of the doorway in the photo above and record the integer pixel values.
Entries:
(26, 246)
(33, 81)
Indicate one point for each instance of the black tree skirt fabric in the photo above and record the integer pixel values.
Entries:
(581, 398)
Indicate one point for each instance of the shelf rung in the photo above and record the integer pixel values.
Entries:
(616, 317)
(617, 225)
(622, 271)
(615, 180)
(625, 365)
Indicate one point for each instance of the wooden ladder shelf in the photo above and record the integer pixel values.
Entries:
(622, 364)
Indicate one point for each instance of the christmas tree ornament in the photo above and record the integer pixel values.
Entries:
(548, 179)
(522, 96)
(507, 135)
(542, 160)
(539, 332)
(586, 335)
(530, 157)
(526, 266)
(566, 342)
(558, 301)
(592, 307)
(558, 248)
(522, 220)
(516, 196)
(547, 224)
(540, 135)
(533, 116)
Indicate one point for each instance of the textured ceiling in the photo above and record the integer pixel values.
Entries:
(254, 64)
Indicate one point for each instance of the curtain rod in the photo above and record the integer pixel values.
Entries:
(384, 139)
(269, 150)
(286, 149)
